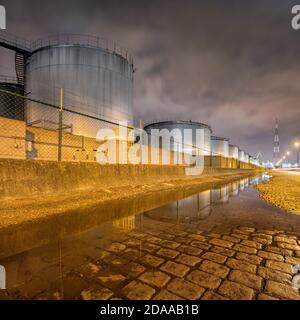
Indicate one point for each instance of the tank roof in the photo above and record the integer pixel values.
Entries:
(219, 138)
(174, 122)
(81, 40)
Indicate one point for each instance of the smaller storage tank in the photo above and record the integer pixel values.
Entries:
(233, 151)
(241, 155)
(246, 157)
(183, 136)
(219, 146)
(254, 161)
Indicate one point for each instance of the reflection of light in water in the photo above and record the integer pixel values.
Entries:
(220, 195)
(198, 206)
(127, 223)
(194, 207)
(234, 189)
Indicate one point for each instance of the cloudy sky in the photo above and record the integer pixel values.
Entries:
(232, 64)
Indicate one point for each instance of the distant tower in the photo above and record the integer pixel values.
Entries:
(276, 151)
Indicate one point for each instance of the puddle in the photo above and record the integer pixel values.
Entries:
(104, 261)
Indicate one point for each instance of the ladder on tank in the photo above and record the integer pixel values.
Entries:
(20, 67)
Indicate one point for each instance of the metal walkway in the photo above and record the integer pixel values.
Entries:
(14, 43)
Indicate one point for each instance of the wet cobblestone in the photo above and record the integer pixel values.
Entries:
(213, 259)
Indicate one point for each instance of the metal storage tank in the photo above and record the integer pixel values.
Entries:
(254, 161)
(183, 135)
(246, 157)
(11, 106)
(233, 151)
(96, 76)
(220, 146)
(241, 155)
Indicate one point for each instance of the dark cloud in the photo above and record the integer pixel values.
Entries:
(232, 64)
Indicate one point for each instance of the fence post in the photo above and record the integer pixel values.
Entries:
(60, 126)
(177, 154)
(141, 141)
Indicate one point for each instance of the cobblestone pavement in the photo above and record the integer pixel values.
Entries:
(283, 190)
(237, 252)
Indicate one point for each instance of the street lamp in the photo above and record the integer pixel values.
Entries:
(288, 155)
(297, 145)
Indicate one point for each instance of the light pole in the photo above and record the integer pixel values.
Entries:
(297, 145)
(288, 156)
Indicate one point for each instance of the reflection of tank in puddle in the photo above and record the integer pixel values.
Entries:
(234, 189)
(244, 183)
(265, 177)
(220, 195)
(254, 181)
(193, 207)
(203, 204)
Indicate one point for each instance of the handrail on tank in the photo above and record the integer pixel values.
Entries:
(14, 40)
(175, 120)
(81, 39)
(65, 39)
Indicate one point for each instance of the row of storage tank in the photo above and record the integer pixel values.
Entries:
(195, 138)
(98, 84)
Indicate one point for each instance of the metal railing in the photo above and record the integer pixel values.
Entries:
(84, 40)
(65, 39)
(15, 41)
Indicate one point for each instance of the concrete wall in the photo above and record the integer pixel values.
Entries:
(22, 178)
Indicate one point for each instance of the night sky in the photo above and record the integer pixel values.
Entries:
(232, 64)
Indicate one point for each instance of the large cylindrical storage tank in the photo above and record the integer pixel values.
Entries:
(184, 136)
(11, 106)
(233, 151)
(220, 146)
(96, 81)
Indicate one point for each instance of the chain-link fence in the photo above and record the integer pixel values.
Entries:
(36, 130)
